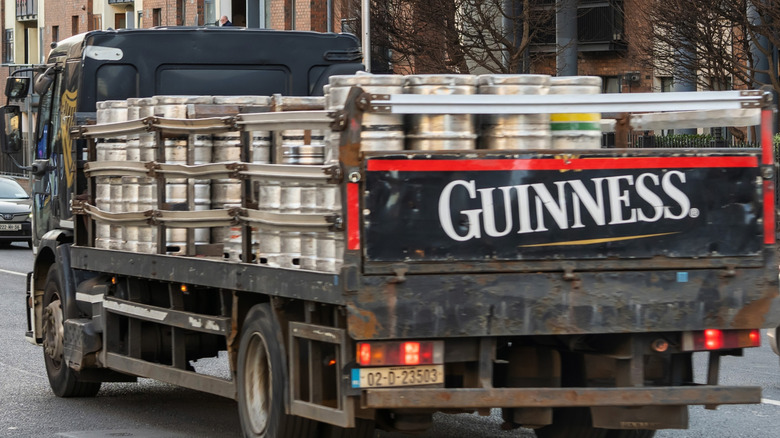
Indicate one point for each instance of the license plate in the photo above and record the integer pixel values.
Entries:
(10, 227)
(383, 377)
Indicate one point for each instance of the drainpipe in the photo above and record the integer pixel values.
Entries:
(566, 37)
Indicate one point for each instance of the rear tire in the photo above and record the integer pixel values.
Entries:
(571, 423)
(262, 380)
(363, 429)
(64, 381)
(637, 433)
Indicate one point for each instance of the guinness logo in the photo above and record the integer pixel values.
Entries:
(569, 204)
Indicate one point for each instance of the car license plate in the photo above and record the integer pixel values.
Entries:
(10, 227)
(382, 377)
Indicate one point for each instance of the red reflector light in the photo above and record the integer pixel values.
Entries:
(712, 339)
(755, 337)
(364, 353)
(384, 353)
(411, 353)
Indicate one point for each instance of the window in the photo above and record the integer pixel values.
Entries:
(611, 84)
(10, 189)
(120, 21)
(209, 12)
(44, 116)
(97, 22)
(180, 18)
(55, 34)
(8, 47)
(116, 82)
(667, 84)
(74, 24)
(157, 17)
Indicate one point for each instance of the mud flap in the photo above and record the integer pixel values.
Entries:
(641, 417)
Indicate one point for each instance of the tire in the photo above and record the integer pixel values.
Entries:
(571, 423)
(29, 244)
(363, 429)
(637, 433)
(262, 380)
(64, 381)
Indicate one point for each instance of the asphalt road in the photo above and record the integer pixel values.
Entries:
(153, 409)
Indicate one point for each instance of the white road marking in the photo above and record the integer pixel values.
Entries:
(3, 271)
(770, 402)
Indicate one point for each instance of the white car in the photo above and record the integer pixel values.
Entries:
(15, 221)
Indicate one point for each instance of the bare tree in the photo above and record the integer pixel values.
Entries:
(714, 44)
(456, 36)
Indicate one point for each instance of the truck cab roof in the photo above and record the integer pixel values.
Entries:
(204, 60)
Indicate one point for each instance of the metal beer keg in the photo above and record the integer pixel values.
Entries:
(575, 130)
(441, 131)
(379, 132)
(514, 131)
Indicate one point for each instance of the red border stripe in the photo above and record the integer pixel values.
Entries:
(353, 216)
(769, 212)
(768, 158)
(560, 164)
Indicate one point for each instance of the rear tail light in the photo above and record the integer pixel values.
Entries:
(400, 353)
(712, 339)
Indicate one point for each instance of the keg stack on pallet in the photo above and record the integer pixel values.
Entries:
(280, 195)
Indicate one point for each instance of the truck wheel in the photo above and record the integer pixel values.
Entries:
(363, 429)
(640, 433)
(64, 381)
(571, 422)
(262, 380)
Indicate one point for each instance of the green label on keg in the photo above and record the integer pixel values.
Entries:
(575, 126)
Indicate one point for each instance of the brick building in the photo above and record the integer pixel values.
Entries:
(29, 27)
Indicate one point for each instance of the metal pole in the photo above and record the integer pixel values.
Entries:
(566, 37)
(329, 13)
(366, 26)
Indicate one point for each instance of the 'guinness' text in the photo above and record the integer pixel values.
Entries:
(606, 201)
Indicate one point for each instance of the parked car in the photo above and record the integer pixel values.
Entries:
(15, 213)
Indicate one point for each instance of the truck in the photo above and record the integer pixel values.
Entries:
(402, 246)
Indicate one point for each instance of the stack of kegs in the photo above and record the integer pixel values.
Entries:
(185, 194)
(226, 193)
(109, 189)
(380, 132)
(140, 193)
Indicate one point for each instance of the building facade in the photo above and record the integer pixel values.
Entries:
(31, 26)
(606, 34)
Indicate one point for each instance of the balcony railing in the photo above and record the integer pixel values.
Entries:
(600, 27)
(120, 2)
(26, 9)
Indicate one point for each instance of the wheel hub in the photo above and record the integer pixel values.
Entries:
(258, 384)
(53, 331)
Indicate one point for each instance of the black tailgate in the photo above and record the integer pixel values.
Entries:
(484, 206)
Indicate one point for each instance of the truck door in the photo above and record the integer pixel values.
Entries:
(48, 164)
